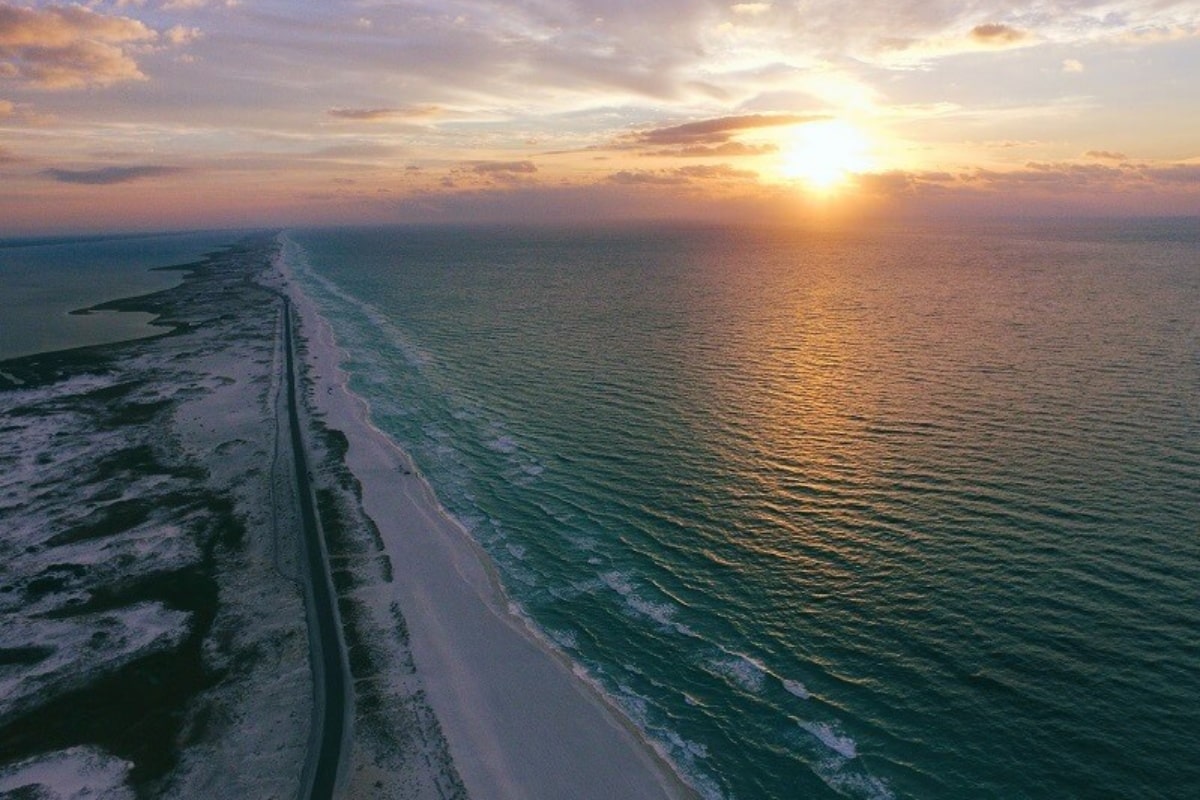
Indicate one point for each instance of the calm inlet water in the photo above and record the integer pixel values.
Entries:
(864, 515)
(41, 283)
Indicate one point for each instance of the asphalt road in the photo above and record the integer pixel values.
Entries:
(330, 678)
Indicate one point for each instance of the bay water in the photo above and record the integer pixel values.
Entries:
(43, 281)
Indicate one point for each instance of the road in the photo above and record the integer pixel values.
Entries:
(331, 680)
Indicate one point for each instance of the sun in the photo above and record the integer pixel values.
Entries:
(824, 154)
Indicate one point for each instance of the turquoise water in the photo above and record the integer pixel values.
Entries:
(903, 514)
(42, 282)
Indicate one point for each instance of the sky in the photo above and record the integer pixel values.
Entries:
(165, 114)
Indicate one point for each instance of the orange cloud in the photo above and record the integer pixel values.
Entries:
(508, 172)
(181, 35)
(384, 114)
(720, 130)
(68, 47)
(995, 33)
(493, 167)
(723, 149)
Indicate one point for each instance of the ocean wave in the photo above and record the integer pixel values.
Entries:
(662, 613)
(742, 549)
(670, 745)
(834, 773)
(747, 672)
(832, 738)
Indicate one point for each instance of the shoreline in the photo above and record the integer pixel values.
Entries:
(70, 293)
(519, 719)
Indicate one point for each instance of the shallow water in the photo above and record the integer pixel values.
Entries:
(42, 282)
(829, 514)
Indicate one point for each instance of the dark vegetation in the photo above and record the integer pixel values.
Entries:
(138, 712)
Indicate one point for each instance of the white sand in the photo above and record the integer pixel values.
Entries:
(518, 722)
(80, 773)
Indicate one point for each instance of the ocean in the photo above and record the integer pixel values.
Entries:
(867, 514)
(43, 281)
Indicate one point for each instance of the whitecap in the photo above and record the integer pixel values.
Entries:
(662, 613)
(567, 640)
(748, 673)
(851, 782)
(832, 738)
(677, 751)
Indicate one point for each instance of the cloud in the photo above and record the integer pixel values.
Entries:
(180, 35)
(362, 114)
(750, 9)
(1161, 32)
(720, 130)
(1174, 174)
(643, 177)
(507, 172)
(712, 138)
(1042, 179)
(892, 182)
(512, 167)
(681, 175)
(384, 114)
(1072, 66)
(709, 172)
(23, 113)
(68, 47)
(105, 176)
(718, 150)
(192, 5)
(7, 157)
(994, 33)
(358, 150)
(1011, 144)
(1108, 154)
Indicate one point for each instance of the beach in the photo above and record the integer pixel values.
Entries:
(478, 399)
(182, 549)
(450, 513)
(519, 721)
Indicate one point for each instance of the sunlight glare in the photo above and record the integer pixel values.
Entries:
(824, 154)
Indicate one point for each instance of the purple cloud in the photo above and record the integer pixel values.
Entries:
(106, 176)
